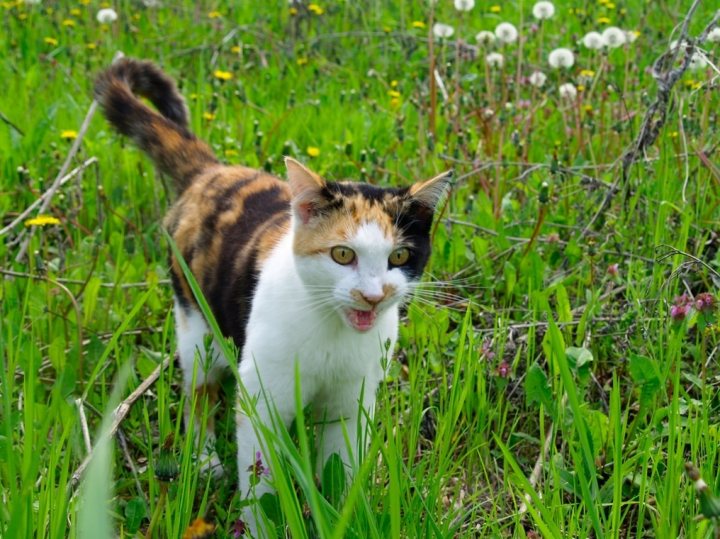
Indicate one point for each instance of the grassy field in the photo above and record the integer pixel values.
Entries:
(565, 351)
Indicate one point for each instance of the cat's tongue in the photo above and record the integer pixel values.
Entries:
(361, 320)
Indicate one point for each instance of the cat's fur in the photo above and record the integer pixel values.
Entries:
(262, 251)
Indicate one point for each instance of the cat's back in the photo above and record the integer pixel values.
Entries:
(225, 224)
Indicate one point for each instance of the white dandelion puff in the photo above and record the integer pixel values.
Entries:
(568, 91)
(613, 37)
(464, 5)
(593, 41)
(537, 79)
(543, 10)
(495, 59)
(697, 62)
(442, 31)
(506, 32)
(714, 35)
(485, 37)
(106, 16)
(561, 57)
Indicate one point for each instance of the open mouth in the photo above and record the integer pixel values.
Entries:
(361, 320)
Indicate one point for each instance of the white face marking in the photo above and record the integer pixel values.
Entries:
(369, 275)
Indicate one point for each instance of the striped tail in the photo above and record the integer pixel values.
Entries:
(165, 137)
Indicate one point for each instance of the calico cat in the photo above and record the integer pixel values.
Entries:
(305, 276)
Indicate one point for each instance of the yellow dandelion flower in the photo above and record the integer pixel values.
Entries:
(84, 2)
(302, 61)
(394, 93)
(51, 41)
(42, 220)
(230, 152)
(674, 134)
(214, 14)
(312, 151)
(314, 8)
(623, 11)
(91, 46)
(22, 16)
(587, 73)
(603, 20)
(208, 116)
(223, 75)
(293, 11)
(68, 22)
(387, 29)
(393, 84)
(495, 9)
(193, 96)
(603, 2)
(235, 49)
(580, 88)
(588, 108)
(395, 102)
(610, 5)
(199, 529)
(68, 134)
(696, 86)
(418, 24)
(75, 12)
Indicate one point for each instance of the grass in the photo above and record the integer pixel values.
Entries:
(542, 323)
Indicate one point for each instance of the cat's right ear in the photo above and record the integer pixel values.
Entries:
(306, 188)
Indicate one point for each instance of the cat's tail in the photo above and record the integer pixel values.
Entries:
(164, 136)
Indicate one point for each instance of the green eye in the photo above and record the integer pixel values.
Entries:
(342, 255)
(399, 256)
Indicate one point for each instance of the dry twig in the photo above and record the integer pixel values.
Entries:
(119, 414)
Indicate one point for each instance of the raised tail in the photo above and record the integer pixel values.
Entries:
(165, 137)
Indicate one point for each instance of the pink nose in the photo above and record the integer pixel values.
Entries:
(372, 299)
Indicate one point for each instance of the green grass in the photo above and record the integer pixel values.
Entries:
(537, 329)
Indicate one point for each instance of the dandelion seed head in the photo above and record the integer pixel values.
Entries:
(543, 10)
(613, 37)
(464, 5)
(537, 79)
(495, 59)
(568, 91)
(697, 62)
(106, 16)
(561, 57)
(506, 32)
(485, 37)
(593, 41)
(714, 35)
(442, 31)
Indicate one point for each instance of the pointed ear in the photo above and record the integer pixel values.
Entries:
(306, 188)
(430, 192)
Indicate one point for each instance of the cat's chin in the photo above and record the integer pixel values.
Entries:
(361, 321)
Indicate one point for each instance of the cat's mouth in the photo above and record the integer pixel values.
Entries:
(361, 320)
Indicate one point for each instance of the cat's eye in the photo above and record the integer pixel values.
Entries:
(399, 256)
(342, 255)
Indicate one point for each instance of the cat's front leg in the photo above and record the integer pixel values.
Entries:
(344, 425)
(265, 399)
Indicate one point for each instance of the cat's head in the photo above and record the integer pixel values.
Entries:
(358, 247)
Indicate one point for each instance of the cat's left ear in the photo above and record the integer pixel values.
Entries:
(306, 188)
(430, 192)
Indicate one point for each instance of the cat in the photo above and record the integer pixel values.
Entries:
(306, 276)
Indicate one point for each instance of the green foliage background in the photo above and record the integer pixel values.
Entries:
(544, 328)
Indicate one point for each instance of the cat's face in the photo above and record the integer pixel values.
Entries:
(358, 248)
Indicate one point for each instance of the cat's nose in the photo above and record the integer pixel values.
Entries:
(372, 298)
